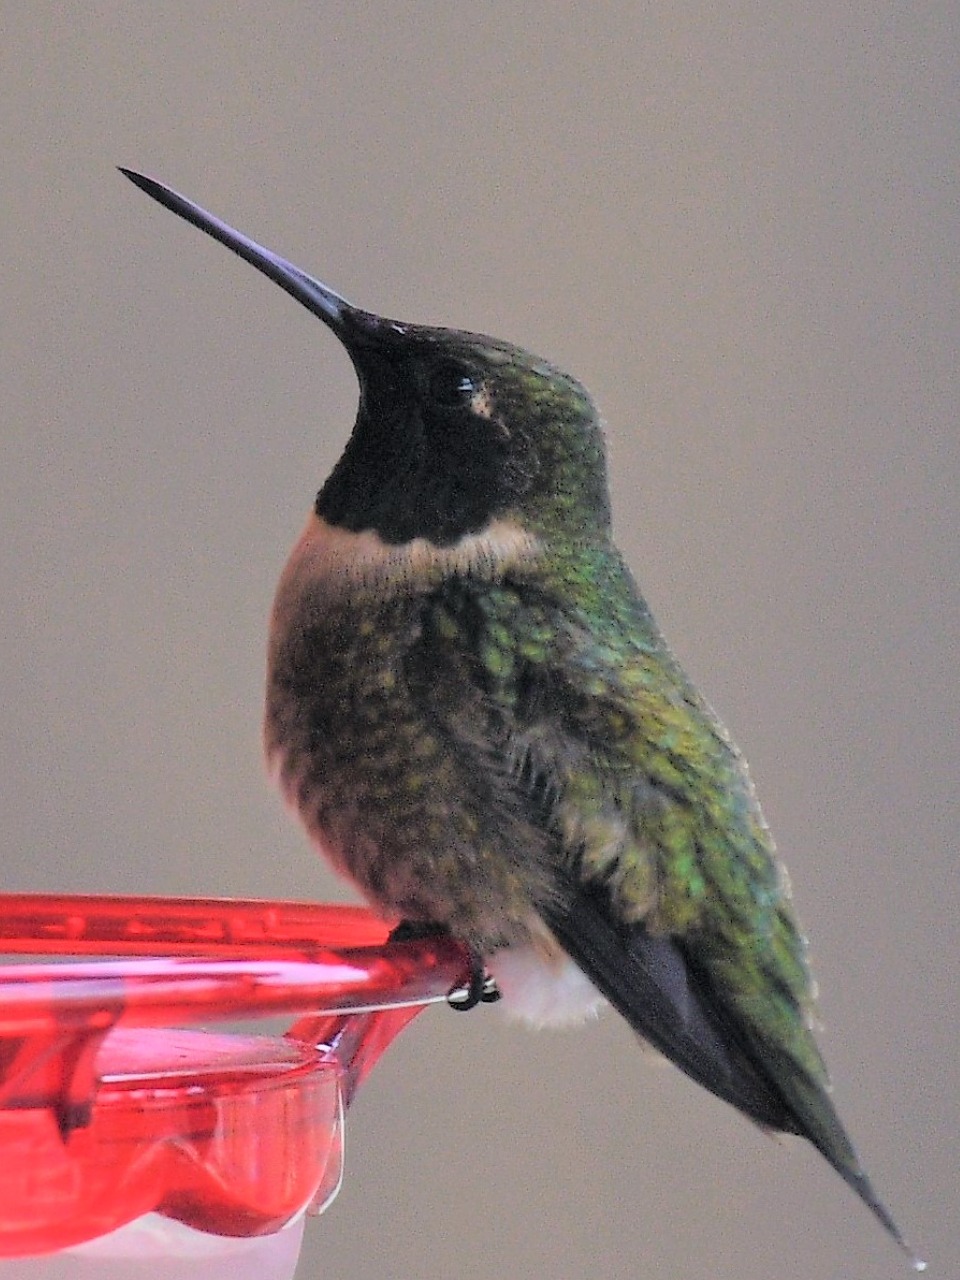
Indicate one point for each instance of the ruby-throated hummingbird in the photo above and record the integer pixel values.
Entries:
(479, 722)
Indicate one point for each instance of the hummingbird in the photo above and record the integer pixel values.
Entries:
(477, 719)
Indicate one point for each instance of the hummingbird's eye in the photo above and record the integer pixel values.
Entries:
(451, 384)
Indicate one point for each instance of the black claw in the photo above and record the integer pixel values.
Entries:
(481, 989)
(491, 992)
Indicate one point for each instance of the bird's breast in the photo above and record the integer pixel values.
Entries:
(355, 746)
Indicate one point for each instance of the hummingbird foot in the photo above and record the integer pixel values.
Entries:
(480, 989)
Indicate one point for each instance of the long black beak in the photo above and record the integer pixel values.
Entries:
(348, 322)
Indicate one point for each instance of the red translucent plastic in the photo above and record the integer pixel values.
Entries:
(111, 1107)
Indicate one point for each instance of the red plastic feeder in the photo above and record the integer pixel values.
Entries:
(149, 1144)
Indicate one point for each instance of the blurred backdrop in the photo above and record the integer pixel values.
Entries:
(738, 224)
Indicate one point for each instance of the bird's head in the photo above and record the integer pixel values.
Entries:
(454, 430)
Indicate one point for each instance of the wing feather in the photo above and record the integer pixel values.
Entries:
(665, 885)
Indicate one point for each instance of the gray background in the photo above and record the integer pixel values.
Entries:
(738, 224)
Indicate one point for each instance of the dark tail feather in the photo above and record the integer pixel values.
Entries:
(647, 981)
(817, 1120)
(650, 982)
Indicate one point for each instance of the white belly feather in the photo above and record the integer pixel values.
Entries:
(544, 991)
